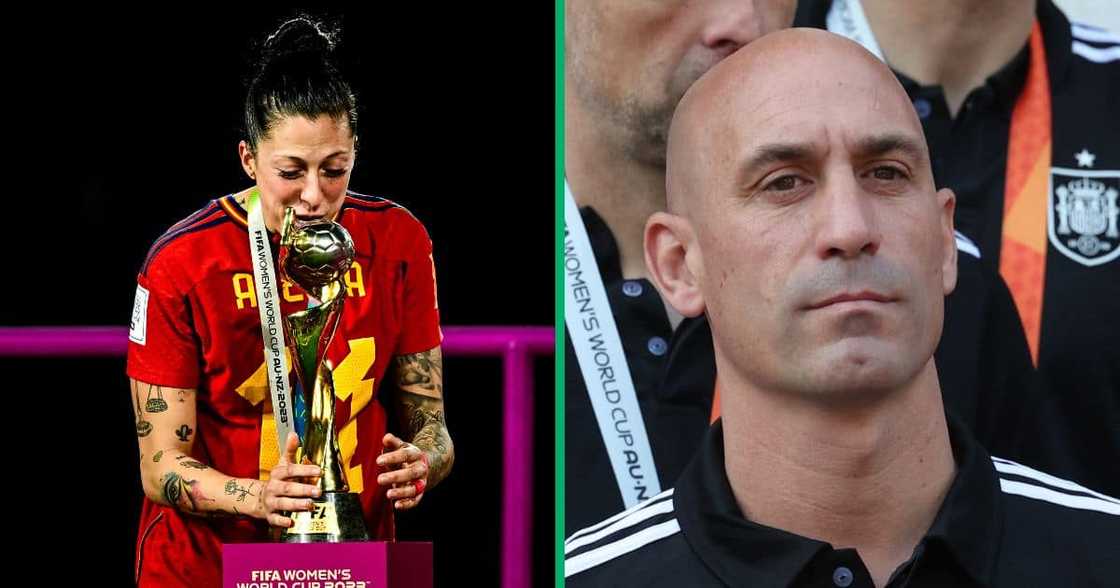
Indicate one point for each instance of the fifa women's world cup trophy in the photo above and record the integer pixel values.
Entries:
(315, 256)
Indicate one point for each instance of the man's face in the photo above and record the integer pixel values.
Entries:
(824, 250)
(628, 62)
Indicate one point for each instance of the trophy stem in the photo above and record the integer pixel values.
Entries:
(321, 445)
(338, 513)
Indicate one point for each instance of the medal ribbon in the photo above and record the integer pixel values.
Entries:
(272, 327)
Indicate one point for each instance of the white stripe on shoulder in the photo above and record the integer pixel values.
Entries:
(1095, 54)
(966, 245)
(590, 559)
(1085, 25)
(1060, 498)
(1010, 467)
(1095, 34)
(619, 516)
(665, 506)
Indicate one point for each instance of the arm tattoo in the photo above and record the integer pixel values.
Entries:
(143, 427)
(420, 380)
(155, 403)
(185, 495)
(232, 487)
(423, 416)
(172, 488)
(423, 370)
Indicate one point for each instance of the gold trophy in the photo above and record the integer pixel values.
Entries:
(316, 255)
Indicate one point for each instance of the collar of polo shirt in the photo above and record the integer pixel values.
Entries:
(965, 533)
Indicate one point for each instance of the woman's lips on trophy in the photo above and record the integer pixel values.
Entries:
(303, 220)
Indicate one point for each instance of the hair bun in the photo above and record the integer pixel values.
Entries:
(299, 37)
(295, 73)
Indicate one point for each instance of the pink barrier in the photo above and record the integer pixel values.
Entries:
(515, 345)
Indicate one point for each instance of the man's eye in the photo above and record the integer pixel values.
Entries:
(887, 173)
(784, 183)
(289, 175)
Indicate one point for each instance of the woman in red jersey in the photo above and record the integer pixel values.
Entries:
(210, 464)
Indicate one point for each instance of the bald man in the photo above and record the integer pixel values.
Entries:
(803, 221)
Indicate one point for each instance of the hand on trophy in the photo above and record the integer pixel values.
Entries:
(409, 475)
(289, 488)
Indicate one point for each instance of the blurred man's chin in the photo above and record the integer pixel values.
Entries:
(858, 373)
(649, 151)
(649, 133)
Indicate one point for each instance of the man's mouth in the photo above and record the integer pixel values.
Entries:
(861, 296)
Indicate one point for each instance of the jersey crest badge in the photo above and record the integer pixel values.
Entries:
(1083, 214)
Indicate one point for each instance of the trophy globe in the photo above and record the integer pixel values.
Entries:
(319, 254)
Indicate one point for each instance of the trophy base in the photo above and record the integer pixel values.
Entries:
(337, 518)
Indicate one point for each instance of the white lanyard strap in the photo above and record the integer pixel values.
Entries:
(846, 17)
(272, 326)
(606, 373)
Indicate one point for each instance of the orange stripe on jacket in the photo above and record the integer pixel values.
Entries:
(1022, 260)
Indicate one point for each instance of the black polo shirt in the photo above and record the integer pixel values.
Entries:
(1001, 524)
(674, 384)
(1079, 351)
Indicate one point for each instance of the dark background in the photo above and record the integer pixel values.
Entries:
(122, 123)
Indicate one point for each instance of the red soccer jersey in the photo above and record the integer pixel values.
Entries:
(196, 325)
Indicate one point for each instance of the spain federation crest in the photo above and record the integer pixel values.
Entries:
(1083, 211)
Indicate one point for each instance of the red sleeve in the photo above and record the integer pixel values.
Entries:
(162, 347)
(421, 309)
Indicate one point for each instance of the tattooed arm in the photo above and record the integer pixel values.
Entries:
(419, 404)
(420, 382)
(165, 430)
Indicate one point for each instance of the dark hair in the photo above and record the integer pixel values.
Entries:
(296, 75)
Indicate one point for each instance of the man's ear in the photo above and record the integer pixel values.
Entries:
(947, 203)
(674, 261)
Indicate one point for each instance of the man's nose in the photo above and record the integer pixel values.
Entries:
(730, 24)
(845, 219)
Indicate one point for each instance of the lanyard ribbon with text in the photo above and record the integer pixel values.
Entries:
(602, 362)
(272, 320)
